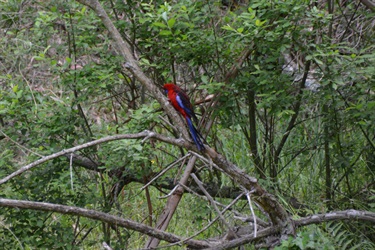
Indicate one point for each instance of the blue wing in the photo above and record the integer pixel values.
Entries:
(185, 104)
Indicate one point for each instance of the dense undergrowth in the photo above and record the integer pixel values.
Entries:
(62, 84)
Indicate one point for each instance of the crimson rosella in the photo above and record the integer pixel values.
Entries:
(180, 101)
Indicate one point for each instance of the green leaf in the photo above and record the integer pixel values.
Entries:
(40, 57)
(15, 88)
(171, 22)
(19, 94)
(165, 32)
(159, 24)
(83, 10)
(204, 79)
(318, 61)
(371, 105)
(227, 27)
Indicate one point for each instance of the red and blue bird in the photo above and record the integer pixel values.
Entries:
(180, 101)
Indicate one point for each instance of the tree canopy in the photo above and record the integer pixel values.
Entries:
(94, 156)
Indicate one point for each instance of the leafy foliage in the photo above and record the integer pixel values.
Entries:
(62, 84)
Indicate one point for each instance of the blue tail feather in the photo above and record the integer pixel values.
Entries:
(195, 135)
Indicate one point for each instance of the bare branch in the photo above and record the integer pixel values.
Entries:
(260, 222)
(369, 4)
(130, 175)
(245, 239)
(265, 200)
(71, 170)
(350, 214)
(19, 145)
(124, 49)
(146, 133)
(165, 170)
(211, 222)
(170, 193)
(106, 246)
(118, 221)
(252, 212)
(212, 203)
(314, 219)
(171, 205)
(100, 216)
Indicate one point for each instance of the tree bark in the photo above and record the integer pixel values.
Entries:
(104, 217)
(171, 205)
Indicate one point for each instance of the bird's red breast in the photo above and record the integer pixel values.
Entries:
(179, 100)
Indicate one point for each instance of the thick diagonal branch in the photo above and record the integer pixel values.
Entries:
(131, 64)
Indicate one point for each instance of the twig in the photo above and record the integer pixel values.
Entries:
(260, 222)
(198, 195)
(167, 122)
(11, 232)
(106, 246)
(212, 202)
(171, 205)
(28, 84)
(208, 161)
(169, 194)
(208, 225)
(165, 170)
(71, 170)
(151, 134)
(21, 146)
(179, 171)
(252, 212)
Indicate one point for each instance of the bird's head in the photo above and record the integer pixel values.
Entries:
(168, 86)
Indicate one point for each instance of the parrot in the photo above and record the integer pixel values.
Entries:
(180, 101)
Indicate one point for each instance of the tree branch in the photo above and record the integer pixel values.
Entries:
(350, 214)
(369, 4)
(100, 216)
(296, 112)
(144, 134)
(172, 203)
(244, 238)
(124, 49)
(267, 201)
(314, 219)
